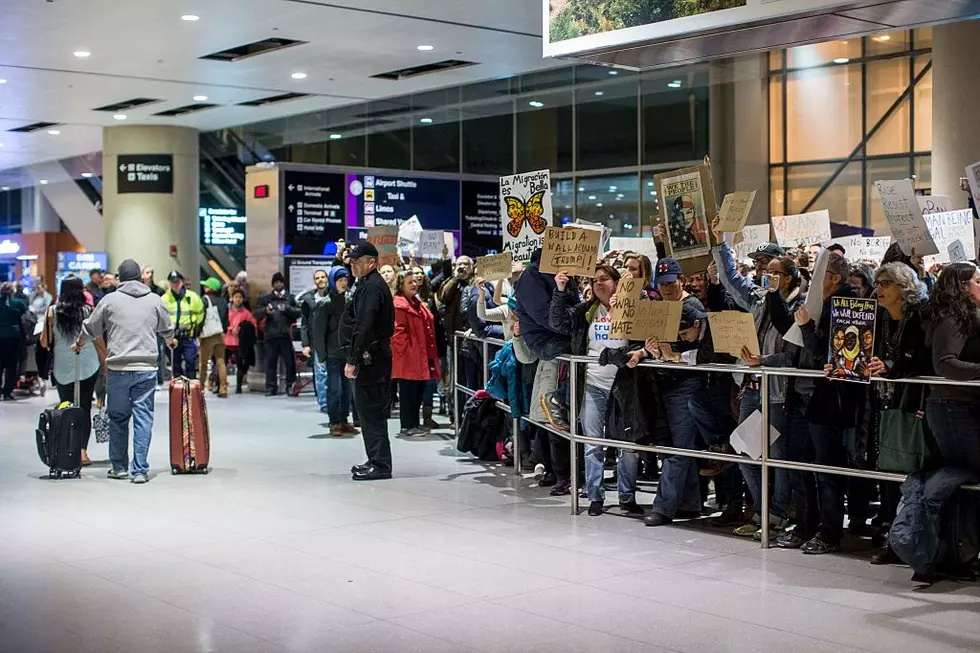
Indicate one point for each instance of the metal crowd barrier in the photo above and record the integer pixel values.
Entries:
(766, 463)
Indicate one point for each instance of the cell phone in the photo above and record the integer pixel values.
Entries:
(765, 281)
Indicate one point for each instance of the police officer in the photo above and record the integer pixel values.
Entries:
(368, 324)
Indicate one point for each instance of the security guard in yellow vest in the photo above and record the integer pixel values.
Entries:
(187, 314)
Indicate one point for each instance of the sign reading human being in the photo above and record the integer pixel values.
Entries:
(570, 250)
(385, 239)
(525, 203)
(495, 267)
(901, 207)
(687, 200)
(803, 229)
(734, 213)
(733, 330)
(954, 236)
(852, 338)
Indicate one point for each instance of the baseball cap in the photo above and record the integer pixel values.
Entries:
(772, 250)
(364, 249)
(212, 283)
(668, 269)
(690, 314)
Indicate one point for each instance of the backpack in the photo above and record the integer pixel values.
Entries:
(481, 427)
(212, 321)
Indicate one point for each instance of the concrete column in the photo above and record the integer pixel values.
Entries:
(955, 96)
(144, 226)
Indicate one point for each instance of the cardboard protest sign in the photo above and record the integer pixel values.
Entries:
(570, 250)
(431, 243)
(525, 203)
(646, 246)
(973, 179)
(934, 204)
(954, 237)
(735, 209)
(659, 320)
(496, 267)
(901, 207)
(852, 338)
(749, 240)
(624, 309)
(747, 438)
(687, 201)
(802, 230)
(733, 330)
(385, 239)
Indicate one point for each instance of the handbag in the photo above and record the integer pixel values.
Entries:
(905, 443)
(100, 424)
(212, 321)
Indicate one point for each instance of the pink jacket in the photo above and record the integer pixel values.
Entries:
(235, 317)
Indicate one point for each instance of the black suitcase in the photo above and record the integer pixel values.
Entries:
(59, 436)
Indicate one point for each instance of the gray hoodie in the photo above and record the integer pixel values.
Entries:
(130, 318)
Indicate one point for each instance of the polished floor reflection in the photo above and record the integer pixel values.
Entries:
(277, 550)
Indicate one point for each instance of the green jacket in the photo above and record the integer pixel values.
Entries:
(191, 311)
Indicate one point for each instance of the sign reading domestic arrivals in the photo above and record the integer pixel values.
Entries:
(145, 173)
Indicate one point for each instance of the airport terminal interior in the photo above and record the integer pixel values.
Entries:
(356, 214)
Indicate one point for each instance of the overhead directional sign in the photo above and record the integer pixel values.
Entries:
(145, 173)
(313, 214)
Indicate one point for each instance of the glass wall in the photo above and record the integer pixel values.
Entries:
(845, 114)
(10, 210)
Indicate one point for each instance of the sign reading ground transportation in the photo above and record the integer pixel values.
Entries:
(313, 211)
(496, 267)
(904, 216)
(300, 269)
(145, 173)
(733, 330)
(570, 250)
(852, 338)
(222, 227)
(525, 209)
(953, 234)
(802, 230)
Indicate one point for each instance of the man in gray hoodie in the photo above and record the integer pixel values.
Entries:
(130, 320)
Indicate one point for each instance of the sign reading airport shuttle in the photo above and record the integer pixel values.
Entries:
(575, 26)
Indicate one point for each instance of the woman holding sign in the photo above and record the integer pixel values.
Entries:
(589, 323)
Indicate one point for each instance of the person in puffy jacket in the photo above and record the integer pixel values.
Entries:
(415, 359)
(339, 389)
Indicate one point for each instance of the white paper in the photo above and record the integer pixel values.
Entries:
(973, 178)
(409, 233)
(802, 230)
(525, 212)
(934, 204)
(645, 246)
(752, 237)
(901, 207)
(814, 299)
(431, 243)
(747, 438)
(862, 248)
(605, 232)
(953, 234)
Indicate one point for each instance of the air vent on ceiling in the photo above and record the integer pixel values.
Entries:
(354, 126)
(272, 99)
(425, 69)
(127, 104)
(33, 127)
(252, 49)
(187, 108)
(384, 113)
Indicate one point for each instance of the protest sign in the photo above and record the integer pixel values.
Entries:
(409, 233)
(934, 204)
(870, 249)
(687, 200)
(749, 240)
(525, 202)
(624, 309)
(604, 230)
(496, 267)
(973, 179)
(733, 330)
(735, 209)
(954, 237)
(385, 239)
(802, 230)
(570, 250)
(852, 338)
(646, 246)
(813, 301)
(901, 207)
(431, 243)
(747, 438)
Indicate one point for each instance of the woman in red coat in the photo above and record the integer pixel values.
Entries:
(415, 358)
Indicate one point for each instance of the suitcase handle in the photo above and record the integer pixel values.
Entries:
(78, 380)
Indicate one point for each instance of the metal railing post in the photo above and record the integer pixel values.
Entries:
(764, 491)
(486, 364)
(455, 375)
(572, 429)
(517, 438)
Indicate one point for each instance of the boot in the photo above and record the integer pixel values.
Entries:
(442, 405)
(427, 420)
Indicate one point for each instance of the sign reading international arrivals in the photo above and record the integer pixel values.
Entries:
(145, 173)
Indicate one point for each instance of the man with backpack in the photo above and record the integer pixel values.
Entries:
(213, 335)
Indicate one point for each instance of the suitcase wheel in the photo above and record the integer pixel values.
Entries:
(205, 470)
(173, 471)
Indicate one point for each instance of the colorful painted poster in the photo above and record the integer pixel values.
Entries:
(852, 338)
(525, 202)
(687, 199)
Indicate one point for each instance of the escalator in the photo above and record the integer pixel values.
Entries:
(223, 158)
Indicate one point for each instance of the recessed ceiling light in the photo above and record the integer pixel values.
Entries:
(425, 48)
(200, 98)
(4, 187)
(44, 181)
(81, 54)
(535, 104)
(675, 84)
(54, 132)
(86, 174)
(613, 72)
(649, 183)
(336, 137)
(612, 189)
(298, 75)
(599, 93)
(2, 81)
(841, 60)
(620, 196)
(581, 189)
(883, 37)
(1, 144)
(119, 116)
(599, 204)
(591, 197)
(426, 121)
(190, 18)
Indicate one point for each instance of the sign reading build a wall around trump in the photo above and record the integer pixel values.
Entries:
(570, 250)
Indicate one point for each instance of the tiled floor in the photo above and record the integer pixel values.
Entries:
(277, 550)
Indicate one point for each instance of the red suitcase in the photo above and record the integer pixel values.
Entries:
(190, 439)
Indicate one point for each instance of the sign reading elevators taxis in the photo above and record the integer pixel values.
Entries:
(570, 250)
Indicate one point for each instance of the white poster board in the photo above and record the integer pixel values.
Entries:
(752, 237)
(814, 300)
(858, 249)
(525, 209)
(953, 234)
(901, 207)
(934, 204)
(802, 230)
(409, 233)
(973, 178)
(645, 246)
(431, 242)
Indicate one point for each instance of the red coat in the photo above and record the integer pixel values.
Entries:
(413, 346)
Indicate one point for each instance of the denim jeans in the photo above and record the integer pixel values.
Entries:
(338, 392)
(956, 427)
(679, 488)
(782, 492)
(594, 426)
(711, 409)
(430, 391)
(130, 394)
(320, 381)
(185, 358)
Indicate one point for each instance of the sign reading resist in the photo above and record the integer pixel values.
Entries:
(145, 173)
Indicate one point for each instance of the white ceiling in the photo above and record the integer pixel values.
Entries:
(142, 48)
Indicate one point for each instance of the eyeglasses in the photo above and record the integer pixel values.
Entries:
(883, 283)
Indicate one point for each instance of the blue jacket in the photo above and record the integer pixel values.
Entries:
(505, 383)
(534, 290)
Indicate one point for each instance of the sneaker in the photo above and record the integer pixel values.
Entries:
(748, 530)
(715, 467)
(547, 480)
(819, 546)
(885, 556)
(630, 507)
(539, 472)
(595, 509)
(553, 412)
(561, 488)
(582, 492)
(418, 431)
(347, 429)
(161, 387)
(790, 540)
(117, 474)
(139, 479)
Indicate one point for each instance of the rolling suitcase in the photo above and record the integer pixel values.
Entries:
(59, 435)
(190, 440)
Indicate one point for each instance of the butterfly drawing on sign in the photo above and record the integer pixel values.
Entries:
(531, 211)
